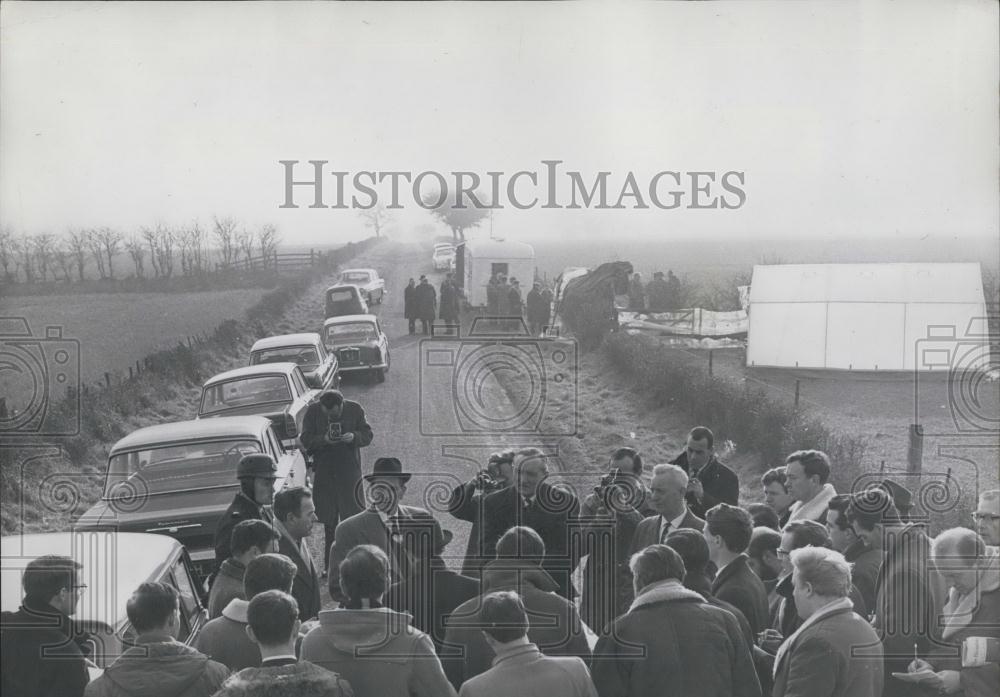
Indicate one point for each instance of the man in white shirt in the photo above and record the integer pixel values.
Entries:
(667, 498)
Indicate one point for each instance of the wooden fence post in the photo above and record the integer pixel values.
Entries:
(138, 369)
(915, 453)
(107, 379)
(711, 357)
(796, 394)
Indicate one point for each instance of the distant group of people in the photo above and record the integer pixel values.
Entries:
(807, 592)
(659, 295)
(503, 299)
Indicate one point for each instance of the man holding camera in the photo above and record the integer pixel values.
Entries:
(466, 503)
(710, 482)
(333, 432)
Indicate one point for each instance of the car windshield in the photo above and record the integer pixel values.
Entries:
(444, 251)
(354, 277)
(166, 468)
(350, 331)
(305, 356)
(339, 296)
(242, 392)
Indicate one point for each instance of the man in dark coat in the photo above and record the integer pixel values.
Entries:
(536, 307)
(711, 482)
(728, 530)
(388, 524)
(554, 624)
(410, 305)
(541, 507)
(658, 294)
(52, 588)
(294, 514)
(821, 657)
(426, 298)
(333, 432)
(466, 503)
(672, 643)
(516, 302)
(256, 473)
(449, 303)
(908, 589)
(431, 591)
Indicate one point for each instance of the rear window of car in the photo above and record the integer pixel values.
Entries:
(168, 468)
(262, 389)
(357, 277)
(350, 331)
(302, 355)
(339, 296)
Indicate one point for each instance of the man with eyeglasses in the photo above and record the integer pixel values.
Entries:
(987, 517)
(42, 653)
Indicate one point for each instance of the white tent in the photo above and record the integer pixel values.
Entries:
(476, 261)
(868, 317)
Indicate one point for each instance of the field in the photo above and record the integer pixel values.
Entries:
(116, 330)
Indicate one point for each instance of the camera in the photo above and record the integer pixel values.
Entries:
(497, 384)
(617, 492)
(334, 432)
(958, 369)
(40, 380)
(487, 482)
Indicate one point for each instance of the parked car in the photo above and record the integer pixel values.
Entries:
(114, 564)
(360, 344)
(275, 390)
(177, 479)
(367, 280)
(443, 257)
(345, 300)
(320, 369)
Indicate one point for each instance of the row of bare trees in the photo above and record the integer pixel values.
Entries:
(44, 256)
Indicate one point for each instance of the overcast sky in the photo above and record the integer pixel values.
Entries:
(871, 118)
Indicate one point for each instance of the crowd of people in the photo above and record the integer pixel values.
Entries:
(684, 590)
(659, 295)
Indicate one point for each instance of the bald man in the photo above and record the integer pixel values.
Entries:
(667, 498)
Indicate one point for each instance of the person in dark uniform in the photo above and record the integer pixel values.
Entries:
(710, 482)
(333, 432)
(410, 305)
(449, 303)
(256, 473)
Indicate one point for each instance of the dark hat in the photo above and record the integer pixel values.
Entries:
(257, 465)
(388, 467)
(423, 278)
(658, 274)
(442, 538)
(902, 499)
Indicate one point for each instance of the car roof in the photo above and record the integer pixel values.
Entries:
(134, 557)
(358, 271)
(347, 319)
(270, 342)
(197, 429)
(247, 371)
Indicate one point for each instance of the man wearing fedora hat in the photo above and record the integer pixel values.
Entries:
(385, 523)
(334, 430)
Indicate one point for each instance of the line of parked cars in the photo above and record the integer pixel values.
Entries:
(167, 485)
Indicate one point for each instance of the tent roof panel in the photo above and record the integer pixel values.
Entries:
(885, 283)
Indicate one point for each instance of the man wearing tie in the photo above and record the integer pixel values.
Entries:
(533, 503)
(404, 533)
(667, 497)
(294, 516)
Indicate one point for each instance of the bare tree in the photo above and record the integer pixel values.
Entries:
(97, 252)
(76, 243)
(183, 242)
(268, 240)
(225, 232)
(136, 250)
(64, 258)
(25, 250)
(196, 245)
(42, 248)
(8, 252)
(165, 241)
(245, 241)
(149, 236)
(111, 242)
(376, 218)
(458, 219)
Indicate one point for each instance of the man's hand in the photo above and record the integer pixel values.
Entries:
(951, 681)
(770, 640)
(695, 487)
(347, 437)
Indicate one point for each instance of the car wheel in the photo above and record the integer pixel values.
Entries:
(387, 361)
(379, 375)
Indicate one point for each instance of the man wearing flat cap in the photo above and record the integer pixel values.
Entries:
(334, 430)
(256, 473)
(385, 523)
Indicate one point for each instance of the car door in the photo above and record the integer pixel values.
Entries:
(193, 612)
(291, 464)
(302, 396)
(328, 368)
(383, 342)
